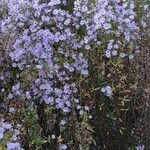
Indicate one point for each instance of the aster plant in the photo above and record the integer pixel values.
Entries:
(59, 63)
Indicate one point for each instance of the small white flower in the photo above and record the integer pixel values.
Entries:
(12, 110)
(63, 122)
(3, 90)
(53, 136)
(86, 108)
(90, 117)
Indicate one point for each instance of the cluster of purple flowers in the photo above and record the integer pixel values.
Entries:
(6, 128)
(48, 50)
(107, 90)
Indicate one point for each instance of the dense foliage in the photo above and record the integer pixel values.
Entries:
(67, 80)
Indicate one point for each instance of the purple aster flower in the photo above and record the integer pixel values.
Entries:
(108, 53)
(66, 110)
(12, 146)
